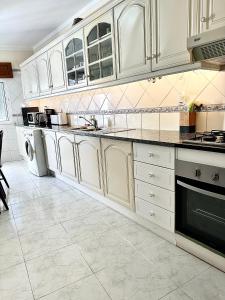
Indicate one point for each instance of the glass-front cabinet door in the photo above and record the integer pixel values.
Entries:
(100, 49)
(75, 60)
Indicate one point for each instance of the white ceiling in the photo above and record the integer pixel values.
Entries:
(24, 23)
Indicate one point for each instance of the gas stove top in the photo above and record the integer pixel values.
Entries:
(214, 138)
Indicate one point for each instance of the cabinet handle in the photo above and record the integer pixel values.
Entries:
(51, 86)
(152, 214)
(151, 175)
(150, 154)
(152, 195)
(148, 58)
(203, 19)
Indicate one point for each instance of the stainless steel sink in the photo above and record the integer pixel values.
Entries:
(100, 130)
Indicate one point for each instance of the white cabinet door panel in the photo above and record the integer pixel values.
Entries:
(133, 37)
(213, 14)
(43, 74)
(50, 145)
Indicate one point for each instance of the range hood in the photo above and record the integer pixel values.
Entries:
(208, 48)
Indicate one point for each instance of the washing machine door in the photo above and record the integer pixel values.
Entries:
(29, 150)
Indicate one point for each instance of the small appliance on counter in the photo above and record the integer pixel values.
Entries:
(25, 111)
(59, 119)
(48, 113)
(36, 118)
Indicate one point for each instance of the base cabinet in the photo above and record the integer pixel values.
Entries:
(88, 153)
(118, 171)
(50, 144)
(66, 155)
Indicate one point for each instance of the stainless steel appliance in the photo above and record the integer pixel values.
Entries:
(212, 138)
(200, 204)
(36, 118)
(25, 111)
(209, 48)
(48, 113)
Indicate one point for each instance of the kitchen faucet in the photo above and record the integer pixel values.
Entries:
(92, 121)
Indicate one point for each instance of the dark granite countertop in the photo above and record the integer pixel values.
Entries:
(156, 137)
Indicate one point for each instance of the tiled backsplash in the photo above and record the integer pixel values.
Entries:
(110, 104)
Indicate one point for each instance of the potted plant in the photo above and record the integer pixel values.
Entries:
(188, 118)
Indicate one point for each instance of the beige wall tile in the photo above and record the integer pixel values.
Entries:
(150, 121)
(121, 120)
(201, 119)
(109, 121)
(134, 121)
(170, 121)
(215, 120)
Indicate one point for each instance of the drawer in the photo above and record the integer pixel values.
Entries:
(155, 214)
(159, 176)
(154, 154)
(155, 195)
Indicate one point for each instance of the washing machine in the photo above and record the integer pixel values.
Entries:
(35, 154)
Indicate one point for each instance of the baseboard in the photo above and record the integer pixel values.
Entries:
(169, 236)
(201, 252)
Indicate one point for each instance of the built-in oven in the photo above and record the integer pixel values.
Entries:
(200, 204)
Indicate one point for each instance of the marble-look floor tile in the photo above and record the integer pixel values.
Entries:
(7, 229)
(56, 269)
(115, 219)
(177, 295)
(88, 227)
(39, 243)
(10, 253)
(35, 222)
(24, 208)
(209, 285)
(139, 237)
(27, 195)
(85, 289)
(136, 280)
(14, 284)
(177, 263)
(107, 250)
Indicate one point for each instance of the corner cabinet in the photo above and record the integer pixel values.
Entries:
(132, 31)
(56, 65)
(170, 30)
(118, 171)
(50, 145)
(100, 53)
(66, 155)
(44, 74)
(75, 60)
(88, 152)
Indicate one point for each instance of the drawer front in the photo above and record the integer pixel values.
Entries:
(155, 195)
(156, 155)
(158, 176)
(155, 214)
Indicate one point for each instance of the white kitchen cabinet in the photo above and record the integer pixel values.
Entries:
(50, 144)
(100, 50)
(170, 30)
(132, 31)
(75, 60)
(21, 141)
(26, 82)
(43, 74)
(118, 171)
(30, 80)
(66, 155)
(212, 14)
(89, 162)
(56, 64)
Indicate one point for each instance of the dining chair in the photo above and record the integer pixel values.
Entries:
(2, 176)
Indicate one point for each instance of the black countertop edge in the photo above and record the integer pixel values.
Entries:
(176, 139)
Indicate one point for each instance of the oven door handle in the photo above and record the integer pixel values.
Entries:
(201, 191)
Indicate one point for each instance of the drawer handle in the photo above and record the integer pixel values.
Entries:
(152, 214)
(152, 195)
(150, 154)
(151, 175)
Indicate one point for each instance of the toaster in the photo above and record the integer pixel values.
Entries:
(59, 119)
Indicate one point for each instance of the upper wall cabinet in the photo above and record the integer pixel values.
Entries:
(75, 60)
(30, 80)
(212, 14)
(170, 29)
(132, 31)
(99, 39)
(56, 64)
(43, 74)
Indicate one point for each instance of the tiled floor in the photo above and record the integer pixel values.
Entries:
(57, 243)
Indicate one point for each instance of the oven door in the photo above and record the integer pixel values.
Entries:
(200, 212)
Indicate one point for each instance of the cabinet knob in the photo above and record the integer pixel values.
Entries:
(151, 175)
(152, 214)
(148, 58)
(215, 177)
(150, 154)
(152, 195)
(203, 19)
(51, 86)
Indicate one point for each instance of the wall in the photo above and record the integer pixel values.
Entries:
(146, 104)
(14, 95)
